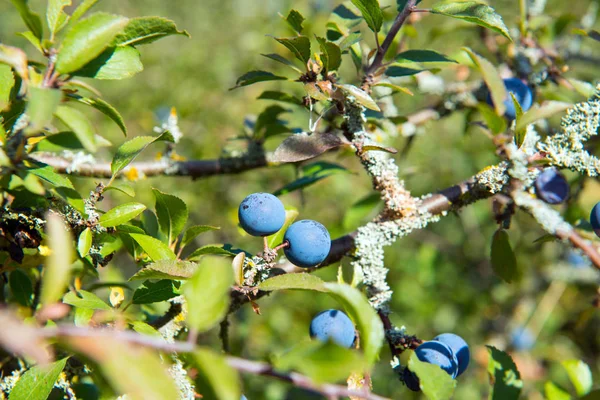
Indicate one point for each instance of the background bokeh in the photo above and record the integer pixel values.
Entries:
(441, 276)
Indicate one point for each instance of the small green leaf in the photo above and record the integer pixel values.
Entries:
(519, 134)
(121, 214)
(277, 238)
(396, 71)
(84, 243)
(553, 392)
(155, 249)
(166, 269)
(16, 58)
(32, 39)
(144, 328)
(154, 292)
(105, 109)
(55, 16)
(299, 46)
(85, 299)
(76, 121)
(41, 105)
(471, 11)
(504, 260)
(422, 56)
(113, 63)
(546, 110)
(172, 214)
(504, 375)
(191, 233)
(7, 81)
(144, 30)
(367, 321)
(21, 287)
(580, 375)
(494, 122)
(331, 54)
(216, 380)
(122, 187)
(129, 150)
(211, 249)
(62, 185)
(323, 170)
(83, 316)
(360, 96)
(295, 20)
(237, 264)
(282, 60)
(86, 40)
(301, 281)
(37, 382)
(253, 77)
(31, 19)
(207, 293)
(80, 11)
(492, 79)
(57, 271)
(435, 383)
(280, 96)
(371, 12)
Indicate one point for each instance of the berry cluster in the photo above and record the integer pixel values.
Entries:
(448, 351)
(306, 243)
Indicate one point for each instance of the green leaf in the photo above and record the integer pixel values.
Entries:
(86, 40)
(322, 362)
(580, 375)
(268, 123)
(295, 20)
(435, 383)
(546, 110)
(519, 134)
(422, 56)
(299, 46)
(57, 271)
(191, 233)
(211, 249)
(80, 11)
(85, 299)
(504, 261)
(553, 392)
(280, 96)
(166, 269)
(84, 243)
(331, 54)
(253, 77)
(172, 214)
(104, 108)
(494, 122)
(55, 16)
(504, 376)
(371, 12)
(21, 287)
(216, 380)
(282, 60)
(360, 210)
(31, 19)
(237, 264)
(32, 39)
(154, 292)
(492, 79)
(360, 96)
(474, 12)
(395, 71)
(277, 238)
(7, 81)
(37, 382)
(311, 175)
(367, 321)
(83, 316)
(144, 328)
(144, 30)
(62, 185)
(121, 214)
(113, 63)
(301, 281)
(155, 249)
(76, 121)
(41, 105)
(16, 58)
(129, 150)
(207, 293)
(122, 187)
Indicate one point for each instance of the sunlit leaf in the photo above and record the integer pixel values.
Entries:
(121, 214)
(435, 383)
(492, 79)
(505, 377)
(113, 63)
(144, 30)
(84, 243)
(172, 214)
(360, 96)
(216, 380)
(37, 382)
(471, 11)
(41, 105)
(57, 271)
(105, 109)
(191, 233)
(166, 269)
(77, 122)
(155, 249)
(371, 12)
(293, 281)
(580, 375)
(85, 299)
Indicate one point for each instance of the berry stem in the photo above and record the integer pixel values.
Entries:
(281, 246)
(266, 244)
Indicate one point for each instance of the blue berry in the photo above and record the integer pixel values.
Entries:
(459, 347)
(333, 325)
(551, 186)
(410, 380)
(261, 214)
(523, 94)
(308, 243)
(440, 354)
(522, 339)
(595, 218)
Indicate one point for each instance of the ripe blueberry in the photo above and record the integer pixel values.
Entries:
(522, 93)
(333, 325)
(411, 381)
(459, 347)
(308, 243)
(595, 218)
(551, 186)
(440, 354)
(261, 214)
